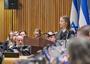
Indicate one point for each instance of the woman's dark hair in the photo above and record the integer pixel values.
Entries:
(67, 20)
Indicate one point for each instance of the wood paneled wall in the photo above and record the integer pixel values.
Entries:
(31, 14)
(1, 20)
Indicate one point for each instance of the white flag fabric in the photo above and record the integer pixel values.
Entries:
(84, 15)
(74, 15)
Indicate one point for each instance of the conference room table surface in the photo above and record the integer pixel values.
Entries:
(22, 60)
(14, 60)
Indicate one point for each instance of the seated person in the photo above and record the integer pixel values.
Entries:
(19, 41)
(37, 33)
(51, 37)
(23, 34)
(20, 47)
(10, 42)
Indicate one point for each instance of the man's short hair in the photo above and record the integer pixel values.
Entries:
(84, 30)
(79, 51)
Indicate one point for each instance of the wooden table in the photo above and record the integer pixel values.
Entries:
(13, 60)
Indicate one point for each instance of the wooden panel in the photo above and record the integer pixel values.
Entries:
(1, 20)
(43, 14)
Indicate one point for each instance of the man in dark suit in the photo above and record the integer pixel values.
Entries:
(10, 42)
(21, 47)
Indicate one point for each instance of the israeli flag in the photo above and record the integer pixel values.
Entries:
(84, 15)
(74, 17)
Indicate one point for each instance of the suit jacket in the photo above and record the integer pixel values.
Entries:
(22, 50)
(6, 46)
(65, 35)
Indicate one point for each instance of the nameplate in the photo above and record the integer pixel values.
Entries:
(11, 55)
